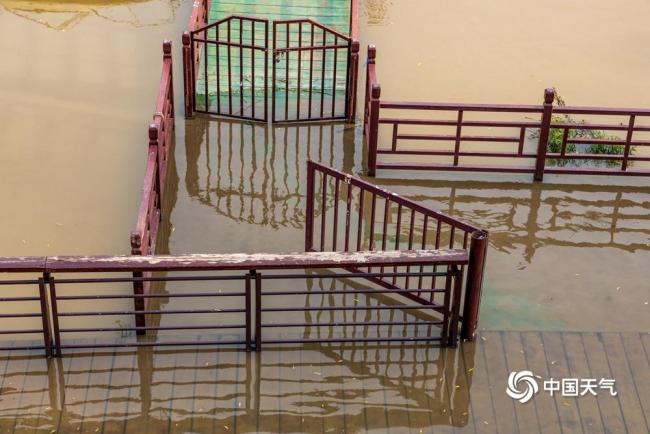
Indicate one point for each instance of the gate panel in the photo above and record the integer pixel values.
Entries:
(231, 79)
(310, 71)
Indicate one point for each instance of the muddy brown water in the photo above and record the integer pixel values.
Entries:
(79, 91)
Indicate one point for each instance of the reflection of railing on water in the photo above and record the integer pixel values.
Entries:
(255, 174)
(199, 387)
(536, 216)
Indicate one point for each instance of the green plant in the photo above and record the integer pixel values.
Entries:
(556, 137)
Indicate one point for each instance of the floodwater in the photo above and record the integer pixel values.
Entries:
(77, 96)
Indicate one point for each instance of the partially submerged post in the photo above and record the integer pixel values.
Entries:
(371, 110)
(474, 283)
(547, 115)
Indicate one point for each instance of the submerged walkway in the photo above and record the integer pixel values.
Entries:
(332, 13)
(354, 388)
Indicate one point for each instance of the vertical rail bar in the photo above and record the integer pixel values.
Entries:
(398, 229)
(565, 137)
(522, 138)
(455, 306)
(309, 212)
(205, 70)
(299, 71)
(323, 212)
(352, 58)
(322, 79)
(394, 138)
(45, 316)
(424, 243)
(266, 70)
(347, 217)
(444, 341)
(547, 116)
(258, 311)
(229, 39)
(336, 53)
(274, 89)
(55, 317)
(311, 68)
(218, 69)
(248, 311)
(253, 69)
(474, 283)
(628, 142)
(410, 245)
(286, 95)
(241, 67)
(336, 213)
(459, 126)
(360, 222)
(188, 69)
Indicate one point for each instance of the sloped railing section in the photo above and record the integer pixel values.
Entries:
(348, 213)
(537, 139)
(144, 236)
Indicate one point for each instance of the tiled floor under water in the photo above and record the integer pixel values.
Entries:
(332, 389)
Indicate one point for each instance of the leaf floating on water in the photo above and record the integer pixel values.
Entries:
(483, 338)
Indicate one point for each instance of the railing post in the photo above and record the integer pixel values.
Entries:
(372, 53)
(167, 57)
(45, 315)
(547, 115)
(249, 318)
(188, 75)
(309, 211)
(55, 315)
(138, 286)
(258, 310)
(373, 129)
(475, 269)
(353, 78)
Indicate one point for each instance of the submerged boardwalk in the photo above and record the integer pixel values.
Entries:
(332, 388)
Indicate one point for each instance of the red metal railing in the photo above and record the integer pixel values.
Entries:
(372, 218)
(245, 306)
(353, 61)
(144, 236)
(520, 147)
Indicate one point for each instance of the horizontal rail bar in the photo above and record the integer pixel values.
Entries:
(355, 291)
(17, 282)
(601, 111)
(133, 296)
(499, 108)
(119, 329)
(258, 261)
(231, 44)
(349, 324)
(329, 308)
(312, 48)
(151, 344)
(451, 137)
(452, 153)
(150, 279)
(359, 339)
(328, 275)
(505, 124)
(150, 312)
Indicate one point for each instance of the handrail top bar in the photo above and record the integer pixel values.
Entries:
(513, 108)
(461, 106)
(232, 261)
(578, 110)
(395, 197)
